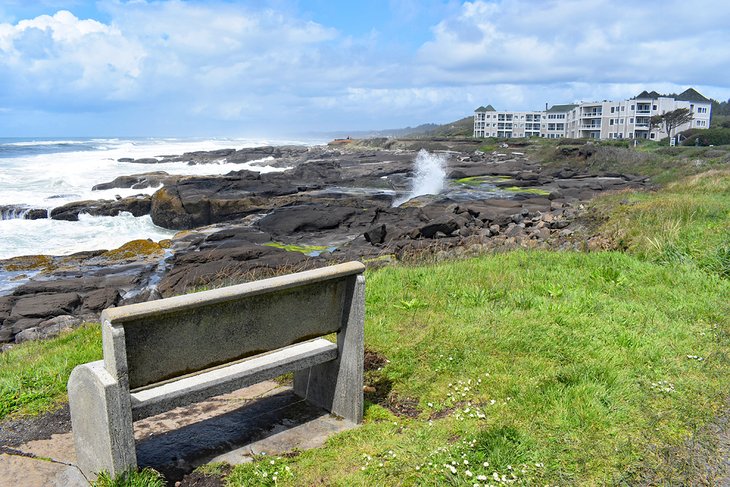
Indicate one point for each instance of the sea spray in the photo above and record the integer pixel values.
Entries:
(430, 176)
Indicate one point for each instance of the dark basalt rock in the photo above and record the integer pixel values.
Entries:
(137, 181)
(291, 220)
(9, 212)
(376, 235)
(136, 205)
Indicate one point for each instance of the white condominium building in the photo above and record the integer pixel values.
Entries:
(625, 119)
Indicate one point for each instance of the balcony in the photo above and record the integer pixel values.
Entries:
(642, 126)
(592, 114)
(643, 112)
(590, 127)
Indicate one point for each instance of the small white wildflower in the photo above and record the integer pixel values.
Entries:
(272, 462)
(362, 468)
(274, 478)
(466, 462)
(468, 473)
(430, 404)
(495, 476)
(482, 477)
(485, 464)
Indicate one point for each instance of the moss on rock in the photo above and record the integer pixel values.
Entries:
(135, 249)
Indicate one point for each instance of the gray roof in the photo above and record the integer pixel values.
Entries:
(561, 108)
(644, 95)
(690, 94)
(488, 108)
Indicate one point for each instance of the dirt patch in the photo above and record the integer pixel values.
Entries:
(446, 411)
(374, 360)
(18, 431)
(379, 390)
(198, 479)
(403, 406)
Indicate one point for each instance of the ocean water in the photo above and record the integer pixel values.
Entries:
(47, 173)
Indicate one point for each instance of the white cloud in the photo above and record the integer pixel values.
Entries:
(59, 56)
(521, 41)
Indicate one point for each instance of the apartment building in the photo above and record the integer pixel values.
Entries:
(624, 119)
(488, 122)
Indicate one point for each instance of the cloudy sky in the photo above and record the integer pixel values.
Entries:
(287, 67)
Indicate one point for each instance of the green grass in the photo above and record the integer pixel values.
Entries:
(686, 223)
(144, 478)
(547, 367)
(33, 375)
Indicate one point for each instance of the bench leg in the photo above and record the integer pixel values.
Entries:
(337, 385)
(101, 419)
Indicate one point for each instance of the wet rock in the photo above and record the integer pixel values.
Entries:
(137, 181)
(36, 214)
(11, 212)
(376, 235)
(136, 205)
(44, 305)
(99, 300)
(305, 218)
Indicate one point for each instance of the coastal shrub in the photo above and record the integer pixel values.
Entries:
(713, 136)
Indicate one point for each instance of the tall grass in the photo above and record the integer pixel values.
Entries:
(33, 375)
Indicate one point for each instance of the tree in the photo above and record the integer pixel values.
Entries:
(668, 121)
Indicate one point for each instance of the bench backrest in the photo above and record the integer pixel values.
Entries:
(151, 342)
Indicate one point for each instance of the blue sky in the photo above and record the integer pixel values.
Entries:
(288, 67)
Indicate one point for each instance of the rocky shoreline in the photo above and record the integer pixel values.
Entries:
(326, 204)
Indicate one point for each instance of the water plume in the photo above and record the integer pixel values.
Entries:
(430, 176)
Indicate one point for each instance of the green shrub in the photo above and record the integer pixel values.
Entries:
(715, 136)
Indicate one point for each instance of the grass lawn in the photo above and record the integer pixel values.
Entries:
(535, 367)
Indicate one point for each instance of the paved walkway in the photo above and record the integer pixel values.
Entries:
(266, 417)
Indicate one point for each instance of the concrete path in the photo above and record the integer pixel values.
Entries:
(266, 417)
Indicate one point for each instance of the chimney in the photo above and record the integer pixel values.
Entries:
(546, 108)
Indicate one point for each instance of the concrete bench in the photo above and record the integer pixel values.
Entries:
(176, 351)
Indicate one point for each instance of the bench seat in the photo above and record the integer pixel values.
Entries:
(198, 387)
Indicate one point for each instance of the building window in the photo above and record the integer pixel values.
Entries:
(610, 122)
(623, 108)
(652, 135)
(632, 108)
(612, 109)
(631, 120)
(653, 107)
(621, 121)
